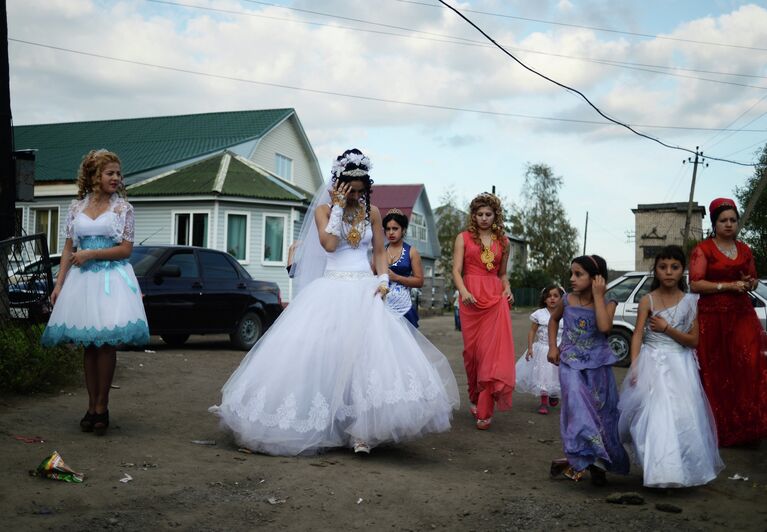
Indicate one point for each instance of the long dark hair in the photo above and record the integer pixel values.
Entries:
(359, 173)
(398, 217)
(672, 252)
(545, 294)
(593, 264)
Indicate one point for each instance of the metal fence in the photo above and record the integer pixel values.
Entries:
(26, 282)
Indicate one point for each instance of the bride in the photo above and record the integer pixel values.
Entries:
(338, 368)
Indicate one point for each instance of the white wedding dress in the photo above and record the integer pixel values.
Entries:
(665, 416)
(338, 367)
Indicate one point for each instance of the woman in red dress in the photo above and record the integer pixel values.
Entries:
(479, 273)
(733, 367)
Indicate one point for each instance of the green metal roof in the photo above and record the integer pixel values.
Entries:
(142, 143)
(207, 177)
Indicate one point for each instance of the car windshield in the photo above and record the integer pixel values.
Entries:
(761, 289)
(142, 258)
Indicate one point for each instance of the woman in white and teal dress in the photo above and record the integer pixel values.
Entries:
(338, 368)
(96, 300)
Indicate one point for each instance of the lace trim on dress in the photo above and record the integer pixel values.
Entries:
(133, 333)
(348, 276)
(319, 416)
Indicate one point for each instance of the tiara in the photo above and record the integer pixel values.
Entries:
(394, 211)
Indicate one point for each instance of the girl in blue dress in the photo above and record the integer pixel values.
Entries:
(589, 418)
(96, 299)
(405, 270)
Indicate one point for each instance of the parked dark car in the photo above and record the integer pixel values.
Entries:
(29, 288)
(190, 290)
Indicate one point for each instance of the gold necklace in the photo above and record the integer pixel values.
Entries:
(487, 256)
(356, 221)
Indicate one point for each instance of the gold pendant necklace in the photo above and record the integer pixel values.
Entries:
(487, 256)
(354, 235)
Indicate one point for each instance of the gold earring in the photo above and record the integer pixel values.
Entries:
(494, 226)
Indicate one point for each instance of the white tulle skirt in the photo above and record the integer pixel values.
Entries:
(337, 367)
(667, 421)
(537, 376)
(98, 304)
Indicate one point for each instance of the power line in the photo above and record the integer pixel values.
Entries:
(364, 97)
(763, 141)
(451, 39)
(741, 115)
(579, 93)
(594, 28)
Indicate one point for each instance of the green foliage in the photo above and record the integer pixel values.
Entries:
(26, 366)
(754, 231)
(542, 220)
(451, 221)
(537, 279)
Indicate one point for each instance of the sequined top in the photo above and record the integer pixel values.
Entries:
(583, 345)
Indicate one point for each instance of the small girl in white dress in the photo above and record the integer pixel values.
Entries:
(96, 299)
(535, 374)
(664, 413)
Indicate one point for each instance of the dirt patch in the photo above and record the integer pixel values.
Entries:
(461, 480)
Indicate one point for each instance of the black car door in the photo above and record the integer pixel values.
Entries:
(226, 294)
(171, 303)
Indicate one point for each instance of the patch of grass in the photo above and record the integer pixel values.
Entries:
(26, 366)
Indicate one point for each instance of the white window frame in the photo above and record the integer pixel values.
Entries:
(246, 260)
(59, 241)
(284, 261)
(173, 213)
(277, 156)
(415, 228)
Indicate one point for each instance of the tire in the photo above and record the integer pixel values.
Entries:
(175, 340)
(620, 342)
(247, 332)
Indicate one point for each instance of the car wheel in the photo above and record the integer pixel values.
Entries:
(175, 340)
(620, 343)
(248, 331)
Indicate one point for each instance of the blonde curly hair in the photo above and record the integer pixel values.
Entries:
(91, 167)
(487, 200)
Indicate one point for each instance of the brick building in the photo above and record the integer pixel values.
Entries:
(662, 224)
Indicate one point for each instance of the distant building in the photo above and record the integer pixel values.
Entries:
(662, 224)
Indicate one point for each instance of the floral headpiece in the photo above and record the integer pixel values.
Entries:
(358, 159)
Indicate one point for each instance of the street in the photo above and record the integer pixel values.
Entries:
(187, 475)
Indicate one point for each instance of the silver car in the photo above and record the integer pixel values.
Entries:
(629, 288)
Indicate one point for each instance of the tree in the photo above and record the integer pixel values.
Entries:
(542, 220)
(450, 221)
(754, 231)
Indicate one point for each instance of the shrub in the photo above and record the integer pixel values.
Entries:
(26, 366)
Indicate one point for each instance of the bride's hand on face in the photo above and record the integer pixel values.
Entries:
(339, 192)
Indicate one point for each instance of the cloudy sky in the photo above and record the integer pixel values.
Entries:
(424, 94)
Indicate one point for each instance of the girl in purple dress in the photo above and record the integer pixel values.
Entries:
(589, 417)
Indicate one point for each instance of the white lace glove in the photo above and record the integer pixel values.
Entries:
(383, 279)
(383, 285)
(335, 221)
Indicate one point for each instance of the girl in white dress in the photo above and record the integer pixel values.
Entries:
(337, 369)
(96, 299)
(665, 415)
(535, 374)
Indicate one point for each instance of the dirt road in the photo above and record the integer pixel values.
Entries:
(461, 480)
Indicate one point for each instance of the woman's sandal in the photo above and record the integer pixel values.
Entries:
(562, 468)
(86, 423)
(100, 423)
(484, 424)
(473, 410)
(553, 402)
(598, 476)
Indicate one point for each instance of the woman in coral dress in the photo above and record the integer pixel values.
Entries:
(731, 352)
(479, 273)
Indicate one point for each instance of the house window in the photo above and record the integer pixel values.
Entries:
(417, 227)
(237, 236)
(47, 221)
(274, 239)
(283, 166)
(191, 229)
(428, 271)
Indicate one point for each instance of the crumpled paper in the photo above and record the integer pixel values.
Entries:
(53, 467)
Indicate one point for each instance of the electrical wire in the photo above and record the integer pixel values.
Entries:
(593, 28)
(583, 96)
(359, 96)
(451, 39)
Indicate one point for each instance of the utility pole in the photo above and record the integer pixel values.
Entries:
(7, 174)
(586, 232)
(698, 160)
